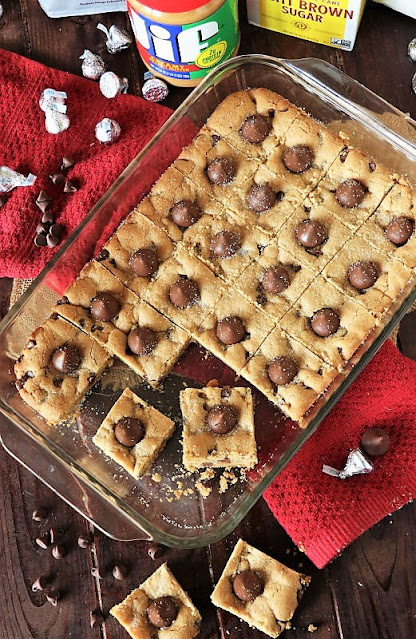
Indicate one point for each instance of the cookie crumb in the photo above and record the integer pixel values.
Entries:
(203, 490)
(312, 628)
(157, 477)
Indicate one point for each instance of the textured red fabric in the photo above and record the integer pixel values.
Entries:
(27, 147)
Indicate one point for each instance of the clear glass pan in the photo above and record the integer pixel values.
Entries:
(62, 457)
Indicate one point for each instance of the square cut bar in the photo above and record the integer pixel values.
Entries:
(184, 266)
(399, 202)
(271, 611)
(52, 393)
(158, 428)
(228, 117)
(275, 305)
(392, 275)
(257, 326)
(136, 232)
(377, 181)
(311, 380)
(131, 613)
(203, 448)
(173, 187)
(355, 323)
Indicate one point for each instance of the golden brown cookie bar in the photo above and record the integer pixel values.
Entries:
(399, 202)
(173, 187)
(51, 392)
(392, 275)
(315, 258)
(131, 613)
(355, 323)
(275, 305)
(184, 266)
(252, 243)
(271, 611)
(376, 179)
(288, 198)
(324, 145)
(136, 232)
(311, 380)
(203, 448)
(157, 429)
(257, 326)
(228, 117)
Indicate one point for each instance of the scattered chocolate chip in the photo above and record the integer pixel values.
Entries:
(96, 572)
(155, 551)
(162, 612)
(43, 201)
(67, 163)
(58, 551)
(104, 307)
(39, 514)
(260, 198)
(248, 585)
(399, 230)
(325, 322)
(57, 178)
(362, 275)
(144, 262)
(129, 431)
(40, 239)
(40, 583)
(96, 618)
(298, 159)
(53, 596)
(52, 240)
(350, 193)
(48, 218)
(221, 171)
(103, 255)
(69, 187)
(372, 166)
(66, 359)
(85, 540)
(255, 128)
(275, 279)
(343, 155)
(225, 243)
(221, 419)
(185, 213)
(120, 572)
(375, 441)
(183, 293)
(311, 233)
(57, 230)
(44, 540)
(231, 330)
(142, 340)
(282, 370)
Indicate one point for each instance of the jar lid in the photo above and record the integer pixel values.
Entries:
(167, 6)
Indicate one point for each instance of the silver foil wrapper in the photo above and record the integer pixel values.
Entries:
(414, 83)
(117, 39)
(56, 122)
(54, 100)
(93, 66)
(1, 10)
(154, 89)
(107, 131)
(411, 50)
(357, 464)
(10, 179)
(111, 85)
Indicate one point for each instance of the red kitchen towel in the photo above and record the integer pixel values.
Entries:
(323, 514)
(28, 148)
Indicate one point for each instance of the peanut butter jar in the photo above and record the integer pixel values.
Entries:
(183, 46)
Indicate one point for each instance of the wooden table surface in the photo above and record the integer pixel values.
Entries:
(368, 592)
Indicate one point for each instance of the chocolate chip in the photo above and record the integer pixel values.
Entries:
(57, 382)
(375, 441)
(311, 233)
(48, 218)
(129, 431)
(44, 540)
(57, 230)
(40, 583)
(57, 178)
(40, 239)
(282, 370)
(343, 155)
(215, 139)
(104, 306)
(225, 243)
(142, 340)
(96, 618)
(221, 171)
(350, 193)
(399, 230)
(372, 166)
(52, 240)
(69, 187)
(183, 293)
(221, 419)
(325, 322)
(53, 596)
(248, 585)
(144, 262)
(362, 275)
(67, 163)
(85, 540)
(155, 551)
(43, 201)
(260, 198)
(39, 514)
(231, 330)
(58, 551)
(185, 213)
(271, 113)
(120, 572)
(298, 159)
(66, 359)
(103, 255)
(255, 128)
(162, 612)
(275, 279)
(91, 378)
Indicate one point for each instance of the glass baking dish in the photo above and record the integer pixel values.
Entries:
(172, 510)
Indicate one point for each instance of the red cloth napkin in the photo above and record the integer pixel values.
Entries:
(27, 147)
